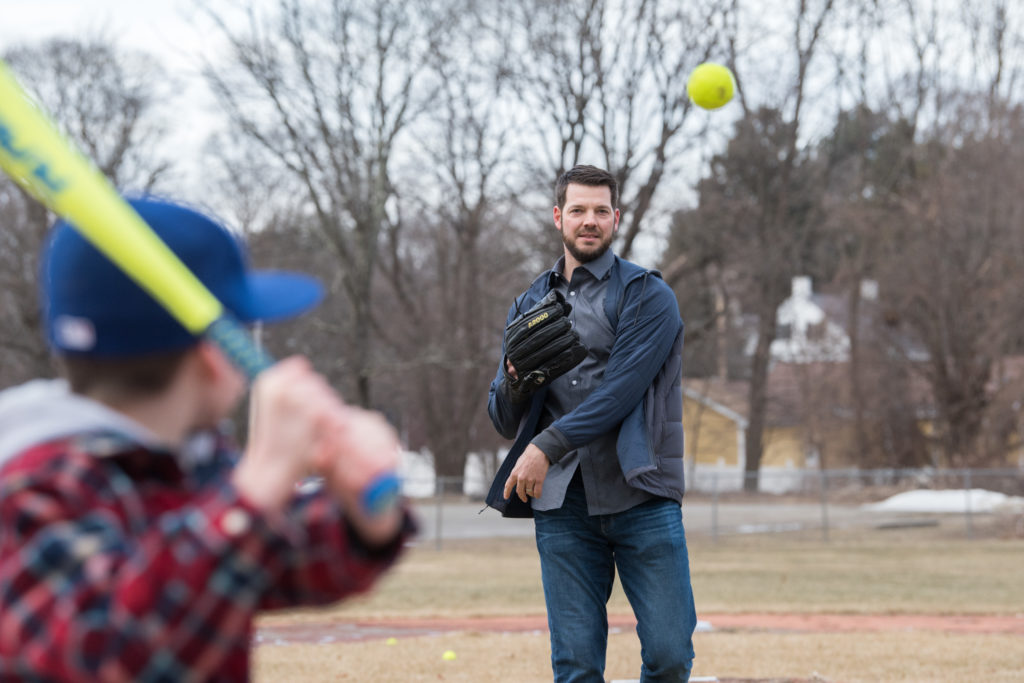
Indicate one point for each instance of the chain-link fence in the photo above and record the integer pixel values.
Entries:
(795, 500)
(971, 502)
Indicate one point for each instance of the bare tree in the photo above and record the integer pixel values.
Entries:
(326, 90)
(953, 276)
(23, 223)
(106, 100)
(895, 157)
(753, 247)
(996, 32)
(864, 170)
(756, 224)
(868, 161)
(604, 83)
(456, 261)
(111, 102)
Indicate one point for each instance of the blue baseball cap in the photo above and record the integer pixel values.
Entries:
(92, 308)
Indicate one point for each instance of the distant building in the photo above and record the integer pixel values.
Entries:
(809, 421)
(812, 415)
(805, 332)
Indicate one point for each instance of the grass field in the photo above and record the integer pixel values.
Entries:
(888, 572)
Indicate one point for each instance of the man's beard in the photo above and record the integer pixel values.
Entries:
(586, 256)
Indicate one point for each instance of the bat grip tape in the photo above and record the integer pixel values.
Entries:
(236, 343)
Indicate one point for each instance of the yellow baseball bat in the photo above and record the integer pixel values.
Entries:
(37, 157)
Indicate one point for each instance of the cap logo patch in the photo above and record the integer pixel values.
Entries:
(73, 333)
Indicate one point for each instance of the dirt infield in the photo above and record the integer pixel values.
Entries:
(345, 631)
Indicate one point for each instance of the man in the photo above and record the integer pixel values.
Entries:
(132, 546)
(598, 454)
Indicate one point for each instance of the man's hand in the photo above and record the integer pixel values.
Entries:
(527, 477)
(303, 427)
(294, 404)
(360, 447)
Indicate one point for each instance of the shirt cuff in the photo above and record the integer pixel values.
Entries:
(553, 443)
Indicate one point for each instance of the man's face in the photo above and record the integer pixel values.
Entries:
(587, 221)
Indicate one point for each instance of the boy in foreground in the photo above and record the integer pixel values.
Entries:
(134, 543)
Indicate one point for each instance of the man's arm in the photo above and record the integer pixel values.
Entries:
(327, 558)
(84, 594)
(124, 588)
(647, 328)
(114, 599)
(337, 548)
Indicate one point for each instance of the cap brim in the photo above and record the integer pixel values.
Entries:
(276, 295)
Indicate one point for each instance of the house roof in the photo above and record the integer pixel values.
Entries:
(795, 391)
(787, 386)
(728, 397)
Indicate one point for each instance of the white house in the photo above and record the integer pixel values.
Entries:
(805, 332)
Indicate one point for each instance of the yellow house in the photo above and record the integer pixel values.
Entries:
(714, 422)
(715, 426)
(808, 421)
(812, 419)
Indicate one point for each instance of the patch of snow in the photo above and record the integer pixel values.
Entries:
(952, 500)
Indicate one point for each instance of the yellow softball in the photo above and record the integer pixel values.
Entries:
(710, 85)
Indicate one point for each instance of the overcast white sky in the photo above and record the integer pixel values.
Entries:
(174, 31)
(166, 27)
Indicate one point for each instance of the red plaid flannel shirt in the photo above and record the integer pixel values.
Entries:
(117, 565)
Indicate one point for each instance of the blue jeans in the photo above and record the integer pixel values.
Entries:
(579, 555)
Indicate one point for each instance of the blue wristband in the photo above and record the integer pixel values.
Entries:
(382, 494)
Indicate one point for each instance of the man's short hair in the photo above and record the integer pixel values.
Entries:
(586, 175)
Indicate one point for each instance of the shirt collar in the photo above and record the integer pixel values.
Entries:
(599, 267)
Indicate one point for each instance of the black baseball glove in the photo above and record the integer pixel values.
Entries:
(541, 345)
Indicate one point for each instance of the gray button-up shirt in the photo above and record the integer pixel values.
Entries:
(606, 488)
